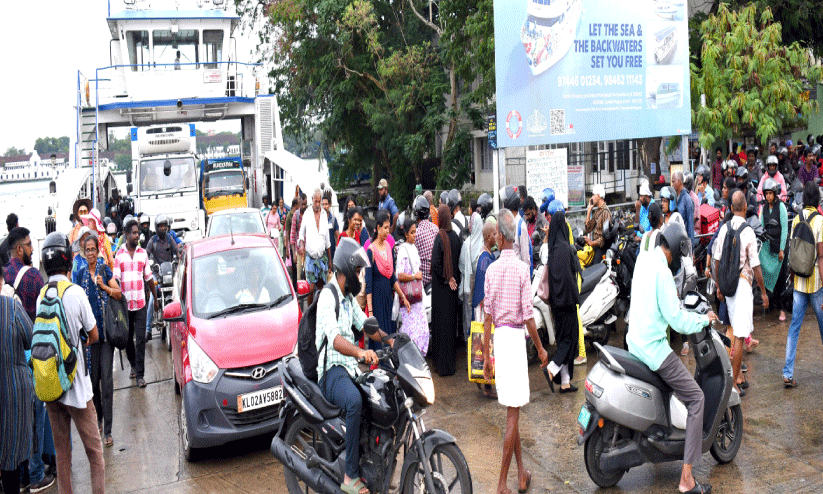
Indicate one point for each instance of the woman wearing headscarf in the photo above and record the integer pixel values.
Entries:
(771, 255)
(563, 299)
(16, 392)
(445, 282)
(92, 220)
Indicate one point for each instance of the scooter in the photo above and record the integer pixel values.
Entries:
(164, 275)
(632, 417)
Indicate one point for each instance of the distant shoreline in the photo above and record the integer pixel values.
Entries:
(48, 179)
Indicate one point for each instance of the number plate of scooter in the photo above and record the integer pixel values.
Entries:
(584, 417)
(259, 399)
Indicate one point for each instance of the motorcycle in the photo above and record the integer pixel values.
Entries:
(164, 277)
(632, 417)
(311, 440)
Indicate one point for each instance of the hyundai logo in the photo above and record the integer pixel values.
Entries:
(258, 373)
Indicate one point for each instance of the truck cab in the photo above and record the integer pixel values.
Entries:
(223, 184)
(164, 161)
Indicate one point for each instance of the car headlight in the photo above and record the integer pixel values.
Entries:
(203, 369)
(428, 388)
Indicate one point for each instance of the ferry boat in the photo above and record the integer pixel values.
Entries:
(549, 31)
(666, 10)
(667, 94)
(665, 44)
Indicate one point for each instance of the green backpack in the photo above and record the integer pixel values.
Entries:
(53, 356)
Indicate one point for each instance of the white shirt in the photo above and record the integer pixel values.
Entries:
(79, 316)
(316, 241)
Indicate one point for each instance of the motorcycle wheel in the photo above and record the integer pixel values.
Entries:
(450, 476)
(300, 437)
(729, 435)
(593, 448)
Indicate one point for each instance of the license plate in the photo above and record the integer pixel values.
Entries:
(584, 417)
(259, 399)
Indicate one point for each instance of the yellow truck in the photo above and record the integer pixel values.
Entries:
(223, 184)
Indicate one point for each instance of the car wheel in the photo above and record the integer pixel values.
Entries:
(189, 453)
(174, 377)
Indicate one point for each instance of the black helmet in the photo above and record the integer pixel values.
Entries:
(751, 150)
(772, 185)
(106, 221)
(128, 221)
(809, 140)
(56, 253)
(454, 199)
(816, 150)
(421, 208)
(511, 198)
(704, 172)
(486, 204)
(783, 151)
(349, 256)
(676, 240)
(819, 140)
(742, 173)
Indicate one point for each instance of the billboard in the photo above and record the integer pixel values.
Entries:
(590, 70)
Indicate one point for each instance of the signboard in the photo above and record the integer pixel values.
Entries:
(491, 129)
(590, 70)
(548, 168)
(577, 186)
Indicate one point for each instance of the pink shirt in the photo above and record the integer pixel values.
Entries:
(132, 272)
(508, 291)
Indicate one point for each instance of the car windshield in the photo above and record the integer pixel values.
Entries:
(245, 279)
(248, 222)
(223, 183)
(167, 174)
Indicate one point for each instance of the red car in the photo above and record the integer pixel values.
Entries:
(234, 317)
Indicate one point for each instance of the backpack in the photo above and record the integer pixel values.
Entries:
(307, 350)
(728, 274)
(803, 247)
(117, 323)
(53, 354)
(11, 290)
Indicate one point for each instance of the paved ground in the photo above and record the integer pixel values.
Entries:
(782, 447)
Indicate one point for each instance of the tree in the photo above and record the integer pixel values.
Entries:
(13, 151)
(754, 85)
(48, 145)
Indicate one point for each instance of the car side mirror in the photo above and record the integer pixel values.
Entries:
(371, 326)
(173, 313)
(303, 288)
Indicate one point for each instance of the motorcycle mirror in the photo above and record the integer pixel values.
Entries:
(371, 326)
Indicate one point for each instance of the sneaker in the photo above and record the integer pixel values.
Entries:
(580, 361)
(23, 488)
(148, 335)
(46, 482)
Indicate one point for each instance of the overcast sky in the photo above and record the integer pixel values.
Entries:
(45, 42)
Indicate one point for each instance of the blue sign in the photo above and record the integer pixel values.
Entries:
(591, 70)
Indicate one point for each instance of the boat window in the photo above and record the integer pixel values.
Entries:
(213, 39)
(153, 176)
(138, 45)
(223, 183)
(176, 51)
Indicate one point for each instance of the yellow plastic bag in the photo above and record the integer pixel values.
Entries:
(475, 353)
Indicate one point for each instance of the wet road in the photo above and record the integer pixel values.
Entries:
(782, 447)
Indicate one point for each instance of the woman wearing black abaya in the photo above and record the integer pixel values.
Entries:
(445, 280)
(563, 299)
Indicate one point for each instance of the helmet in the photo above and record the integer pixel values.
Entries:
(809, 140)
(688, 181)
(668, 193)
(56, 253)
(444, 197)
(783, 151)
(819, 140)
(454, 199)
(704, 172)
(676, 239)
(128, 221)
(111, 228)
(161, 220)
(485, 202)
(729, 164)
(106, 221)
(788, 142)
(421, 208)
(547, 195)
(349, 256)
(511, 198)
(816, 150)
(771, 160)
(742, 173)
(144, 218)
(772, 185)
(554, 207)
(751, 150)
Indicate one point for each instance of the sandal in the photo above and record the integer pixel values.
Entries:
(355, 487)
(528, 483)
(789, 382)
(751, 345)
(109, 441)
(489, 392)
(699, 489)
(549, 377)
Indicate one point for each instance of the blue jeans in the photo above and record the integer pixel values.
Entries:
(801, 300)
(339, 389)
(36, 466)
(149, 313)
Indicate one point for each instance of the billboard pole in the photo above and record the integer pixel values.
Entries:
(496, 177)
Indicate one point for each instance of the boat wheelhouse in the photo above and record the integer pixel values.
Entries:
(667, 94)
(549, 31)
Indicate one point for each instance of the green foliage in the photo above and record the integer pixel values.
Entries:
(48, 145)
(13, 151)
(800, 19)
(123, 162)
(754, 85)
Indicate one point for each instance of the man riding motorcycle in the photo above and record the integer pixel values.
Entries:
(160, 248)
(337, 359)
(648, 340)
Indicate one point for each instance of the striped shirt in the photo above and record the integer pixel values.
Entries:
(330, 327)
(132, 273)
(813, 282)
(426, 232)
(508, 291)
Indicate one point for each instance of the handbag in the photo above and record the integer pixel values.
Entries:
(413, 290)
(543, 292)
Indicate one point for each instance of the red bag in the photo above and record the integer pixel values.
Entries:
(709, 222)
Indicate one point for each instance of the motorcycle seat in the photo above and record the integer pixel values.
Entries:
(637, 369)
(312, 391)
(591, 276)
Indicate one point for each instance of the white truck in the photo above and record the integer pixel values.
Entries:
(165, 170)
